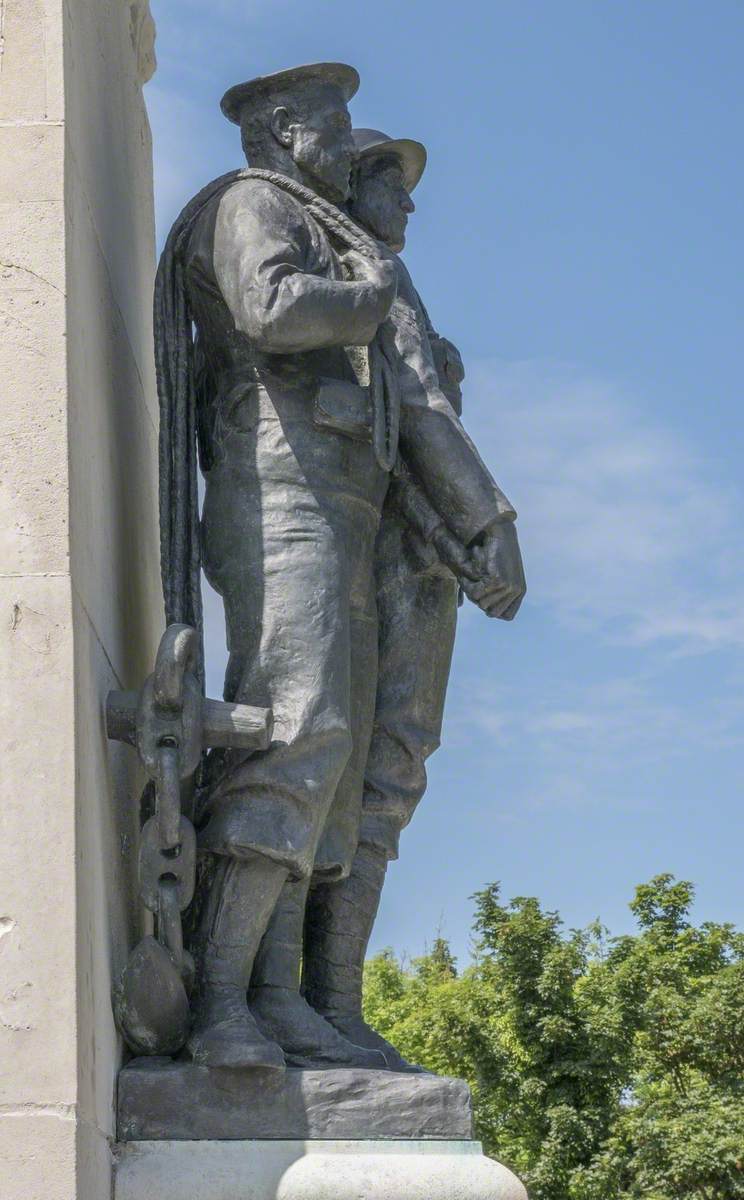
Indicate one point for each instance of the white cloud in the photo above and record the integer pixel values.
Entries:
(623, 529)
(565, 721)
(568, 743)
(631, 543)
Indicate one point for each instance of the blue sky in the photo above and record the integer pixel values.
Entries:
(579, 235)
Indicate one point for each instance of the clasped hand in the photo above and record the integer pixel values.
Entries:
(490, 572)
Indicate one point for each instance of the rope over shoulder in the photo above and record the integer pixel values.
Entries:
(180, 555)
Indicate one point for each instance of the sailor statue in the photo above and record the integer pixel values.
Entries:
(344, 506)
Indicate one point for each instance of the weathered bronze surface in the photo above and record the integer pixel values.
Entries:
(162, 1100)
(346, 511)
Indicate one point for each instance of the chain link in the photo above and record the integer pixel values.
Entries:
(168, 736)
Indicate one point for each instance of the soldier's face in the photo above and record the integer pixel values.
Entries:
(322, 145)
(381, 201)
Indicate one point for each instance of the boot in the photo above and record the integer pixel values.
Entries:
(237, 901)
(338, 925)
(275, 1000)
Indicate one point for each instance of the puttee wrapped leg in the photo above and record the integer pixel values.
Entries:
(338, 926)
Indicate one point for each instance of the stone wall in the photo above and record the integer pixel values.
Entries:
(80, 607)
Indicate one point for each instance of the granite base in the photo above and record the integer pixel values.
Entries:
(311, 1170)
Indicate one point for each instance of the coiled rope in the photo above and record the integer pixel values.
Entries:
(180, 555)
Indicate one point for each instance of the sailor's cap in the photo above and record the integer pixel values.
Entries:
(411, 155)
(345, 78)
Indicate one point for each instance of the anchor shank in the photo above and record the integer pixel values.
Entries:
(232, 726)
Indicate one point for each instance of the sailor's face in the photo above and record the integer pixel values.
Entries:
(322, 145)
(381, 201)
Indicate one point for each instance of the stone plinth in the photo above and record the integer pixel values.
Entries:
(173, 1101)
(306, 1170)
(191, 1133)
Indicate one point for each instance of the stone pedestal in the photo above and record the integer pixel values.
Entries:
(191, 1133)
(311, 1170)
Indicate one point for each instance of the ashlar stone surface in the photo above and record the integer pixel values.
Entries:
(79, 595)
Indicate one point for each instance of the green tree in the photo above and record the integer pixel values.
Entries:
(602, 1068)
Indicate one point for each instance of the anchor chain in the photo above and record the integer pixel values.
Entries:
(169, 744)
(171, 724)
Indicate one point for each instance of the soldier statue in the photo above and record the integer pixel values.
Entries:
(420, 570)
(343, 505)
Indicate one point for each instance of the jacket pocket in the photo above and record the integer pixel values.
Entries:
(344, 408)
(239, 409)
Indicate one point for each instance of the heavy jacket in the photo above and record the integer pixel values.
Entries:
(293, 497)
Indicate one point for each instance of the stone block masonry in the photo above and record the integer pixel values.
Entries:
(79, 591)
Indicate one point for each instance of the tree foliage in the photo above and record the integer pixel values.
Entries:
(602, 1068)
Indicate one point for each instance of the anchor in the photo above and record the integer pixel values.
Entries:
(171, 724)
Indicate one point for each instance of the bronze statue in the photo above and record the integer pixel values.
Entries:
(419, 569)
(344, 505)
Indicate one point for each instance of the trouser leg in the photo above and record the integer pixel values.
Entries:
(275, 998)
(340, 837)
(237, 899)
(289, 596)
(417, 620)
(417, 615)
(304, 568)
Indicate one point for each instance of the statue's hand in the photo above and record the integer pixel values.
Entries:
(448, 359)
(498, 563)
(450, 369)
(379, 272)
(454, 555)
